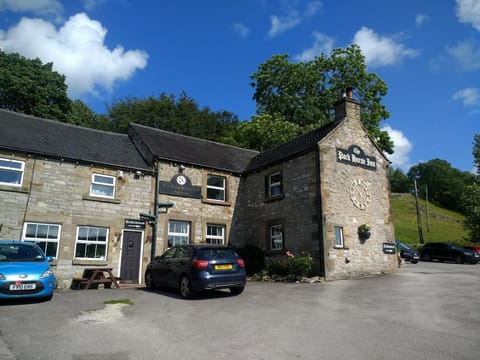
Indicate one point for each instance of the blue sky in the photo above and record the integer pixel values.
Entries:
(428, 53)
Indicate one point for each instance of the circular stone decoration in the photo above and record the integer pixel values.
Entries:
(360, 194)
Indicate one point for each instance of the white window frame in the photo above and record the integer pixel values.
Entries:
(12, 169)
(176, 237)
(339, 240)
(38, 238)
(276, 239)
(275, 185)
(88, 242)
(215, 237)
(98, 184)
(222, 189)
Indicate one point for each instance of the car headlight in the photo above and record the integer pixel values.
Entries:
(46, 274)
(2, 277)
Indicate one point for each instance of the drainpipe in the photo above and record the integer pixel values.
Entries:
(320, 221)
(155, 211)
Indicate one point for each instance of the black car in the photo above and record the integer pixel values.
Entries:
(407, 253)
(446, 251)
(194, 268)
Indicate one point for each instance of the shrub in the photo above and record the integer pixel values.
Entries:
(295, 265)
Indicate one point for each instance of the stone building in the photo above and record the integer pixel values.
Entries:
(312, 194)
(77, 192)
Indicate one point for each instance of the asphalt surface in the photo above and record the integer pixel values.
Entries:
(424, 311)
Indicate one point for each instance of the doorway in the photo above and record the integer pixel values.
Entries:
(131, 257)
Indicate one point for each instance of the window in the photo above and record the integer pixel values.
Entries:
(47, 236)
(11, 172)
(178, 233)
(276, 237)
(103, 186)
(338, 236)
(274, 185)
(215, 234)
(216, 188)
(91, 243)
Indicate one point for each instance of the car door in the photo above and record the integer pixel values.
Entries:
(160, 267)
(180, 265)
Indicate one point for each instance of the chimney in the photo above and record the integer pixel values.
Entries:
(347, 107)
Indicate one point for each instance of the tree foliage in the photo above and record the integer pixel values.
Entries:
(471, 204)
(304, 93)
(399, 182)
(33, 88)
(446, 185)
(476, 153)
(182, 116)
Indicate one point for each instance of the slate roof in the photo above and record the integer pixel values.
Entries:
(48, 138)
(293, 148)
(189, 150)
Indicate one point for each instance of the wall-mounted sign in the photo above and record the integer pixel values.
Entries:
(180, 185)
(134, 224)
(388, 248)
(355, 156)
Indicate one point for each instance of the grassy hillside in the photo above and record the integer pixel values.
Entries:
(445, 225)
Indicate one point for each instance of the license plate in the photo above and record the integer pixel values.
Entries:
(14, 287)
(224, 267)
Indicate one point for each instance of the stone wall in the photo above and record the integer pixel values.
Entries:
(198, 211)
(353, 195)
(57, 192)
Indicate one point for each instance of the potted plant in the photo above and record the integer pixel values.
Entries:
(364, 232)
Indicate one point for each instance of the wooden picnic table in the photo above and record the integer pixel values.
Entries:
(97, 276)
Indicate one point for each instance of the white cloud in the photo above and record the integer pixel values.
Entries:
(420, 19)
(321, 44)
(92, 4)
(76, 50)
(469, 96)
(381, 50)
(468, 11)
(402, 148)
(35, 6)
(280, 24)
(241, 29)
(467, 55)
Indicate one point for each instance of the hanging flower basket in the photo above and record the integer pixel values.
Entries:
(364, 232)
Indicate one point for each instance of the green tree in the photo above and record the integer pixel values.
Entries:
(264, 132)
(446, 185)
(471, 205)
(399, 182)
(476, 152)
(33, 88)
(304, 93)
(181, 115)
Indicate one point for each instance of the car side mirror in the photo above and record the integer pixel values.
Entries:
(49, 258)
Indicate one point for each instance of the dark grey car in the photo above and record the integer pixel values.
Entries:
(194, 268)
(446, 251)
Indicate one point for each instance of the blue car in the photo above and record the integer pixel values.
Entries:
(25, 271)
(195, 268)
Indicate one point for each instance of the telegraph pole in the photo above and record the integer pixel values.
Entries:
(419, 215)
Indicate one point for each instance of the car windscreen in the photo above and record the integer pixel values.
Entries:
(216, 253)
(19, 252)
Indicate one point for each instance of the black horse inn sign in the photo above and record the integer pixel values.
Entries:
(356, 157)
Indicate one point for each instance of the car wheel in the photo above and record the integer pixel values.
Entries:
(237, 290)
(414, 261)
(149, 281)
(185, 287)
(458, 260)
(427, 257)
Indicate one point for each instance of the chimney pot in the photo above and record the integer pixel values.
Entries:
(349, 92)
